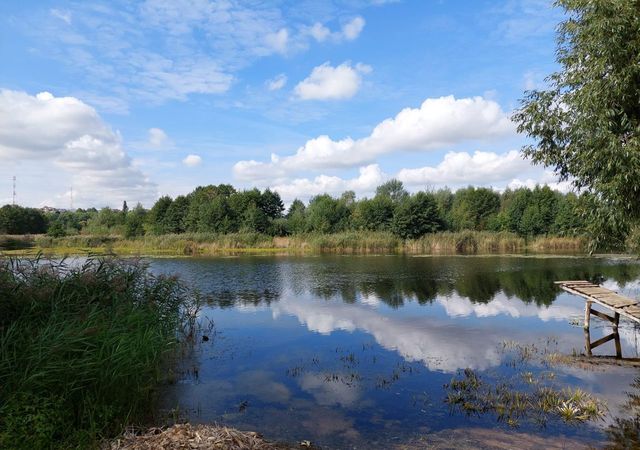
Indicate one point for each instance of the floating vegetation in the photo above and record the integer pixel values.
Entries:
(471, 395)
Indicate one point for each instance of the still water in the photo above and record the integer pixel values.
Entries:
(356, 351)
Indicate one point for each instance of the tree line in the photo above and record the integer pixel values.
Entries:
(223, 209)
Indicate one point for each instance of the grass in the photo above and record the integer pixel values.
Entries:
(82, 348)
(348, 242)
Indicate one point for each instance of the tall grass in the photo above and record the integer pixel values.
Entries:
(446, 242)
(81, 348)
(467, 242)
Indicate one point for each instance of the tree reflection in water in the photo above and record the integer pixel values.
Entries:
(624, 433)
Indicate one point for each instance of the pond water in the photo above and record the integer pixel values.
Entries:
(357, 351)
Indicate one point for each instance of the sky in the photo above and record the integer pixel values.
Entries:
(105, 101)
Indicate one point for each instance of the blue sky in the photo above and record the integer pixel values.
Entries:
(130, 100)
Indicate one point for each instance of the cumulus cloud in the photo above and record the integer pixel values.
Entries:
(464, 168)
(157, 137)
(436, 124)
(277, 83)
(43, 128)
(349, 31)
(547, 178)
(192, 160)
(303, 188)
(332, 83)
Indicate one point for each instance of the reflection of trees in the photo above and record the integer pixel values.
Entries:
(397, 280)
(624, 432)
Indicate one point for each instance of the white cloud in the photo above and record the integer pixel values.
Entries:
(438, 123)
(464, 168)
(192, 160)
(319, 32)
(278, 40)
(349, 31)
(157, 137)
(65, 16)
(547, 178)
(42, 129)
(277, 83)
(368, 179)
(332, 83)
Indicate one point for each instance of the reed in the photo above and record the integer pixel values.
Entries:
(347, 242)
(82, 348)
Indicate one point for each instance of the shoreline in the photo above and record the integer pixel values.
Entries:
(375, 243)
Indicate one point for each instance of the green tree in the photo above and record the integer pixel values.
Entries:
(134, 223)
(15, 219)
(416, 216)
(174, 218)
(296, 217)
(472, 208)
(586, 124)
(156, 217)
(326, 214)
(373, 214)
(393, 189)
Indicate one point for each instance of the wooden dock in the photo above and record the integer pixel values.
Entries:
(619, 304)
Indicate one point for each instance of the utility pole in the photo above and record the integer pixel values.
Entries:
(13, 201)
(71, 197)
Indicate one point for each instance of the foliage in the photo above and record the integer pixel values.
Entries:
(586, 124)
(15, 219)
(416, 215)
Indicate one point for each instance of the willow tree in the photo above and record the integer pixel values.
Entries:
(586, 123)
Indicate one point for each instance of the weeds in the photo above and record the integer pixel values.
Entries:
(82, 347)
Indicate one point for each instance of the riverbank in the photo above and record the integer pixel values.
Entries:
(360, 242)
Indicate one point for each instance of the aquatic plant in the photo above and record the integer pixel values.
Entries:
(82, 347)
(470, 394)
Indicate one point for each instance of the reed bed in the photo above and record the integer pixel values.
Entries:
(82, 348)
(347, 242)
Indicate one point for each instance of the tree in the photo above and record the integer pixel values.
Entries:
(134, 223)
(393, 189)
(325, 214)
(472, 208)
(586, 124)
(15, 219)
(375, 214)
(296, 217)
(271, 204)
(174, 218)
(417, 215)
(156, 216)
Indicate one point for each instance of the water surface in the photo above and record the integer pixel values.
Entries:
(355, 351)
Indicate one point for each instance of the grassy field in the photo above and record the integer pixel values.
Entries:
(83, 348)
(350, 242)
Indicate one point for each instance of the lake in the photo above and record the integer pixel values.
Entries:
(357, 351)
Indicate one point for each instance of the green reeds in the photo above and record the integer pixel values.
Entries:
(82, 348)
(347, 242)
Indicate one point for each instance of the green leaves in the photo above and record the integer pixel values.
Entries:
(586, 125)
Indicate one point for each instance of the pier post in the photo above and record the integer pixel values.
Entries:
(587, 319)
(616, 335)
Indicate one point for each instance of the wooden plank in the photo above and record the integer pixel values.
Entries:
(603, 316)
(601, 341)
(629, 308)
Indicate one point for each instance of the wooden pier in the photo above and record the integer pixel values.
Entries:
(619, 304)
